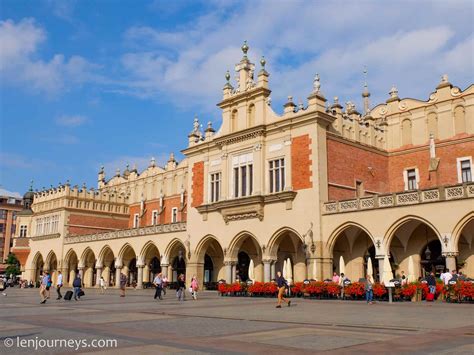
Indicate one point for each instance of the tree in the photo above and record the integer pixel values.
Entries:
(13, 265)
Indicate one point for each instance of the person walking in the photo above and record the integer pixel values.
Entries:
(158, 283)
(335, 278)
(43, 285)
(165, 284)
(282, 284)
(342, 278)
(181, 288)
(102, 285)
(431, 280)
(369, 289)
(446, 277)
(403, 279)
(49, 283)
(77, 284)
(59, 285)
(3, 285)
(194, 287)
(123, 284)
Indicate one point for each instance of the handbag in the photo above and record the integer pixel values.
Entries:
(190, 290)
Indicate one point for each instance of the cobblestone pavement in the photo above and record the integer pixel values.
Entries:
(228, 325)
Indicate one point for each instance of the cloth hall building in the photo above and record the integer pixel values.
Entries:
(316, 183)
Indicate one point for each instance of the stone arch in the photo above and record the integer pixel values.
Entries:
(52, 264)
(150, 257)
(287, 243)
(71, 263)
(175, 253)
(37, 265)
(243, 248)
(457, 231)
(414, 237)
(463, 244)
(106, 260)
(459, 119)
(332, 238)
(128, 262)
(88, 264)
(210, 254)
(355, 244)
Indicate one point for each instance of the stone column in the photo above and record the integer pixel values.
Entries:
(81, 272)
(450, 261)
(380, 261)
(266, 270)
(118, 271)
(164, 270)
(98, 271)
(140, 276)
(273, 270)
(234, 271)
(228, 271)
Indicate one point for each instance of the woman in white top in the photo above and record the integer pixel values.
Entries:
(102, 285)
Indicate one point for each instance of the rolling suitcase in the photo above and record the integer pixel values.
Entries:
(430, 297)
(68, 295)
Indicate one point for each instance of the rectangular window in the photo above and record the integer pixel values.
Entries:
(359, 188)
(215, 187)
(3, 214)
(174, 215)
(411, 179)
(250, 179)
(277, 175)
(136, 220)
(39, 226)
(243, 176)
(466, 173)
(23, 230)
(236, 182)
(2, 227)
(154, 217)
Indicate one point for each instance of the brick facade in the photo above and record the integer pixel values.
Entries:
(348, 163)
(165, 217)
(301, 162)
(198, 184)
(79, 224)
(382, 172)
(447, 151)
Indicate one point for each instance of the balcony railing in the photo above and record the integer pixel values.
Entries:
(127, 233)
(443, 193)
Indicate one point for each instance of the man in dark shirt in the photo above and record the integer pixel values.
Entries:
(282, 284)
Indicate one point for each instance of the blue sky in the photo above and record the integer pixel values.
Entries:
(86, 83)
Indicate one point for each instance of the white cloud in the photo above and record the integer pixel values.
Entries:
(71, 120)
(7, 193)
(19, 65)
(336, 39)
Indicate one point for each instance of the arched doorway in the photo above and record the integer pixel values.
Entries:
(51, 266)
(129, 264)
(89, 271)
(465, 259)
(38, 265)
(286, 244)
(152, 264)
(176, 253)
(416, 240)
(178, 266)
(245, 248)
(354, 245)
(72, 263)
(211, 256)
(108, 265)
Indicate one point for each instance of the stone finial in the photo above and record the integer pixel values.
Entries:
(227, 76)
(84, 186)
(316, 83)
(171, 158)
(444, 82)
(245, 48)
(336, 100)
(152, 162)
(300, 105)
(444, 78)
(196, 124)
(393, 91)
(263, 62)
(290, 99)
(209, 127)
(117, 172)
(134, 169)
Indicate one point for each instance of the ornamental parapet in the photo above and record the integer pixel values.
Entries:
(46, 236)
(442, 193)
(127, 233)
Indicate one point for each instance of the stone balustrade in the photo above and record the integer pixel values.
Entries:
(443, 193)
(127, 233)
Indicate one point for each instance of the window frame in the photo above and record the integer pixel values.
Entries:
(215, 183)
(459, 162)
(136, 220)
(154, 217)
(276, 175)
(174, 215)
(407, 181)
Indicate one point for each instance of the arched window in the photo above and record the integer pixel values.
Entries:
(406, 132)
(432, 125)
(233, 121)
(459, 120)
(251, 116)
